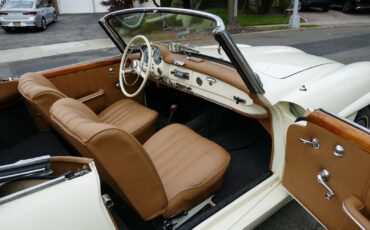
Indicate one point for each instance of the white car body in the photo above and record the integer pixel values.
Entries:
(290, 77)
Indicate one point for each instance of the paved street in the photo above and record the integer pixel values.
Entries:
(347, 45)
(69, 28)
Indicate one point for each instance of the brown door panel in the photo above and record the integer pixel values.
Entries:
(82, 80)
(349, 175)
(9, 93)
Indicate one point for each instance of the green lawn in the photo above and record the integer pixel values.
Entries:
(251, 19)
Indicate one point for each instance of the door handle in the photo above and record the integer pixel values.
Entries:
(315, 143)
(322, 178)
(352, 206)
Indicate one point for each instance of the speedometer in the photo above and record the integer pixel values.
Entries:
(157, 56)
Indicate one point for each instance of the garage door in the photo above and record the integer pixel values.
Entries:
(75, 6)
(99, 8)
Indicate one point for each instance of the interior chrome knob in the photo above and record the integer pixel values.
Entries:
(338, 151)
(314, 142)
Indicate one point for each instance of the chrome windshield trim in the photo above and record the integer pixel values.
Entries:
(221, 35)
(31, 190)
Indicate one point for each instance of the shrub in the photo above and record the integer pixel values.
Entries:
(284, 4)
(114, 5)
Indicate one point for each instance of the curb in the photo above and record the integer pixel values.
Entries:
(22, 54)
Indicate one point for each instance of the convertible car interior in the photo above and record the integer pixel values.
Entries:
(175, 137)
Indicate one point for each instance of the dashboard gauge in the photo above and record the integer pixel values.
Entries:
(157, 56)
(145, 55)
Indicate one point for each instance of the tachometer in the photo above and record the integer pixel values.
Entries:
(145, 56)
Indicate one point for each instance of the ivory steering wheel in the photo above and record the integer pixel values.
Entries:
(135, 67)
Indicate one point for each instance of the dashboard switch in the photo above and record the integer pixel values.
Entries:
(239, 100)
(180, 74)
(159, 71)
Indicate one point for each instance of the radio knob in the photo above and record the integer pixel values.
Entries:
(199, 81)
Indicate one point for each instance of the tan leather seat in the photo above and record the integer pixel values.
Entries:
(172, 172)
(127, 114)
(39, 92)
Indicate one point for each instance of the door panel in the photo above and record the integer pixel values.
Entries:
(349, 175)
(9, 92)
(88, 79)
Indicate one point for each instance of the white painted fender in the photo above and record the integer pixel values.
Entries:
(343, 91)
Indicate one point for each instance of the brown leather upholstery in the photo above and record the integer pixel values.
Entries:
(174, 170)
(39, 92)
(126, 114)
(188, 165)
(132, 117)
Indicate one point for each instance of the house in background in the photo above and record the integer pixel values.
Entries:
(85, 6)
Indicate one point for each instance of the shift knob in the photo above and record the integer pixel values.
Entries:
(173, 108)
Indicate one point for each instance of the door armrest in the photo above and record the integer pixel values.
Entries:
(353, 206)
(92, 96)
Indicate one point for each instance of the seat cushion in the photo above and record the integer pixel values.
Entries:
(190, 166)
(132, 117)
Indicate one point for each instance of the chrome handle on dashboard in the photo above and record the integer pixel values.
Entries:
(322, 178)
(211, 80)
(314, 142)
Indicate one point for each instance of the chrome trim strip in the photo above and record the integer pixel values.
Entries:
(31, 190)
(92, 96)
(23, 173)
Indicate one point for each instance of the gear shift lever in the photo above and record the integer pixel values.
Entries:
(173, 109)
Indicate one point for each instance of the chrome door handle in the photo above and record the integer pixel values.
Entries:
(322, 178)
(314, 142)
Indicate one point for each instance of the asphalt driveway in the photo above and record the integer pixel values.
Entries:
(68, 28)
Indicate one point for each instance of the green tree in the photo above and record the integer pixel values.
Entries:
(114, 5)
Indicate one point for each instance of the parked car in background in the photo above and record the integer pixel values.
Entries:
(29, 13)
(349, 6)
(305, 4)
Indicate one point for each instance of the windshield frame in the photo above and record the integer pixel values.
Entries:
(220, 34)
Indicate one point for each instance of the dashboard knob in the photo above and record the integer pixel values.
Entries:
(199, 81)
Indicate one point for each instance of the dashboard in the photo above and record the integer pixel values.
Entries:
(212, 81)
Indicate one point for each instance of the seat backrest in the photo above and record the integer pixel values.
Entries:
(122, 160)
(39, 92)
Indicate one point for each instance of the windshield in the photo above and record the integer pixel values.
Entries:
(18, 5)
(190, 33)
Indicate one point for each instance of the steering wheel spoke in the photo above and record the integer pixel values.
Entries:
(128, 70)
(135, 67)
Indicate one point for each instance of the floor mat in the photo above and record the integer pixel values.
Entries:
(16, 124)
(45, 143)
(245, 165)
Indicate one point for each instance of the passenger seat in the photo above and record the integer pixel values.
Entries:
(127, 114)
(172, 172)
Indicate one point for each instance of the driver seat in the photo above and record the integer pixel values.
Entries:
(172, 172)
(127, 114)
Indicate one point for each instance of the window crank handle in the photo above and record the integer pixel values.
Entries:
(322, 178)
